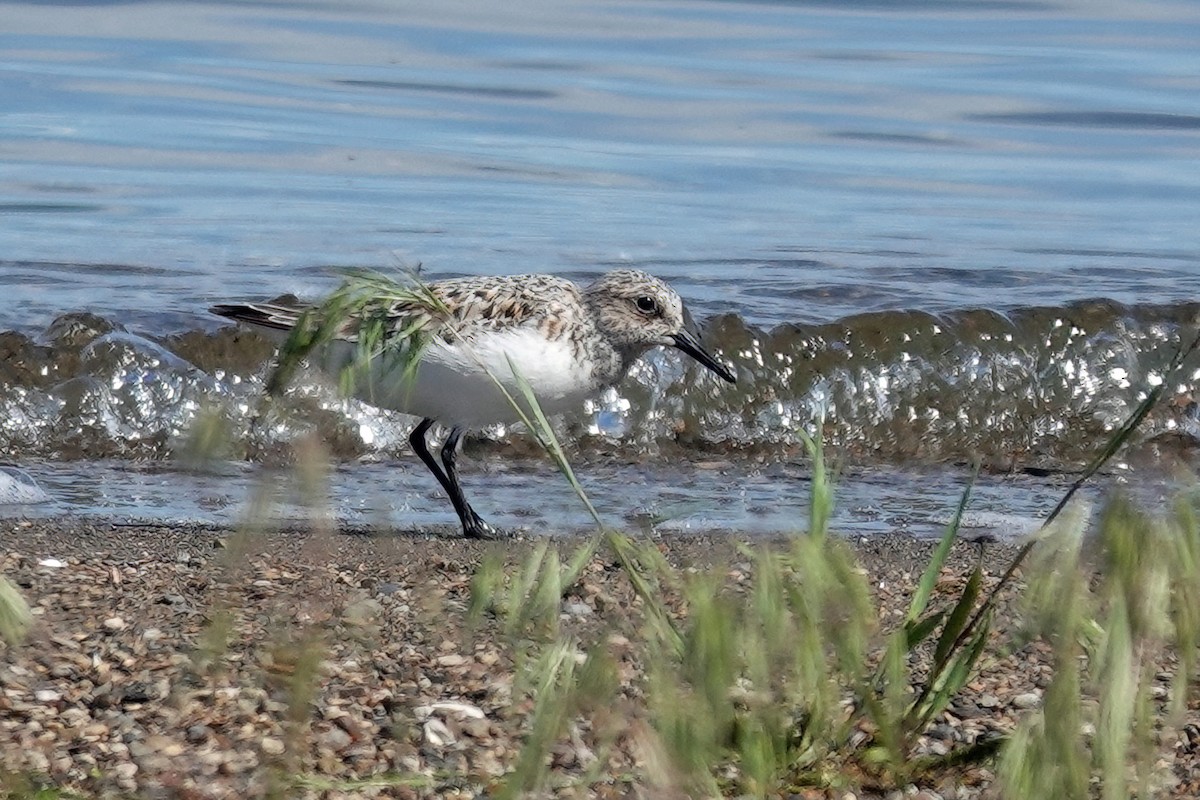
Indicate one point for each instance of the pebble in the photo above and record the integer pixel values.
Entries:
(163, 675)
(335, 739)
(198, 733)
(577, 609)
(942, 731)
(272, 746)
(450, 707)
(436, 732)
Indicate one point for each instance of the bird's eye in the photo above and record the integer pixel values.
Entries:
(647, 305)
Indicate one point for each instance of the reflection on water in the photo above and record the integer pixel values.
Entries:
(791, 162)
(892, 210)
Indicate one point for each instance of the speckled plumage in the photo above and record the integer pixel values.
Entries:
(568, 343)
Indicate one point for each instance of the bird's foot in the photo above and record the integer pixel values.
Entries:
(475, 528)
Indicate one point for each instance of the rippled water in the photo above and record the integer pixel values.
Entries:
(964, 233)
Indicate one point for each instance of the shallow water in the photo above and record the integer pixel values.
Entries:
(529, 498)
(895, 213)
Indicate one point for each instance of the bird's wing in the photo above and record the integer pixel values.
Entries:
(468, 307)
(471, 306)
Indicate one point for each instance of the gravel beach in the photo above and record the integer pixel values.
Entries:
(181, 661)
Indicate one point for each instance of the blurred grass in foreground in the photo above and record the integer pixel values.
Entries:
(793, 683)
(788, 680)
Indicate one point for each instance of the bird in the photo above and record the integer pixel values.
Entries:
(440, 352)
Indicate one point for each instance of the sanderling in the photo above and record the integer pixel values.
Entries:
(566, 342)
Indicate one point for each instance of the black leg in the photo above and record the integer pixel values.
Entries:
(473, 525)
(416, 440)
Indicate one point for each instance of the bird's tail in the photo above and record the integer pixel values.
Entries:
(268, 316)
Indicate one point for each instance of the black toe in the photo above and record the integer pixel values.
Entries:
(475, 528)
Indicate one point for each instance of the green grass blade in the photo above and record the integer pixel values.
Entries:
(953, 678)
(947, 653)
(541, 428)
(556, 674)
(917, 631)
(535, 420)
(958, 616)
(15, 615)
(920, 599)
(821, 503)
(384, 319)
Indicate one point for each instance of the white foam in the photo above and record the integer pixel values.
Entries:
(17, 487)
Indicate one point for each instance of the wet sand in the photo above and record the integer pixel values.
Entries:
(168, 661)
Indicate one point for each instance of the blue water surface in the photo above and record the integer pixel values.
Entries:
(787, 161)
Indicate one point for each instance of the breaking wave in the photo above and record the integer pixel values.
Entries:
(1037, 388)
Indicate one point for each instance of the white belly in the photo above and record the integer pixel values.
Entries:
(452, 383)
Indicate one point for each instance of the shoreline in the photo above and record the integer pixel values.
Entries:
(86, 537)
(161, 661)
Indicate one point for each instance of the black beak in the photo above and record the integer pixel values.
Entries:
(687, 341)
